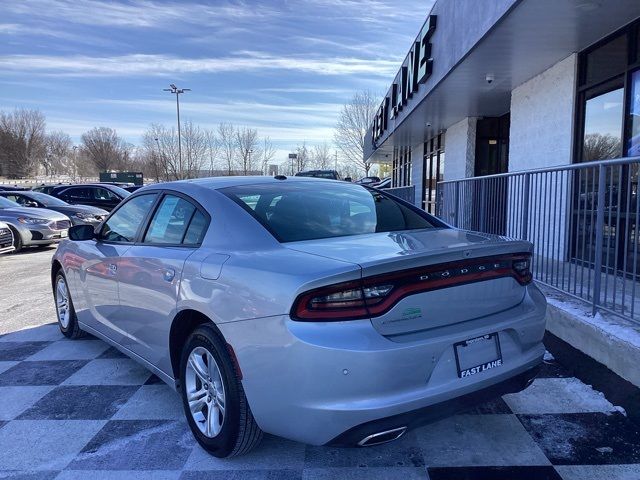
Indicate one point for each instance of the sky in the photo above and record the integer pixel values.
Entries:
(285, 67)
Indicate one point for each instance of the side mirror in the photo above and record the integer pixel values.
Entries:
(81, 232)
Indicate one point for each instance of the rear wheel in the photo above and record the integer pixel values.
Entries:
(214, 401)
(67, 320)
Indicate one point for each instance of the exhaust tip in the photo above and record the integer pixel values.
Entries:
(382, 437)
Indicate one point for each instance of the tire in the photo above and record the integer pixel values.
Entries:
(17, 240)
(237, 431)
(67, 320)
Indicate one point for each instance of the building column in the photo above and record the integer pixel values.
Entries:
(460, 149)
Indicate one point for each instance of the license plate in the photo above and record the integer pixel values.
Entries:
(478, 354)
(63, 234)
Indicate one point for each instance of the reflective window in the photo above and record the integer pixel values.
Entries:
(307, 211)
(170, 222)
(123, 225)
(197, 229)
(606, 61)
(634, 113)
(603, 126)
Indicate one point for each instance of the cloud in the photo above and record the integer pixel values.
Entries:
(139, 14)
(141, 64)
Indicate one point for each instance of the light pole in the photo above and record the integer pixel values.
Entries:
(173, 89)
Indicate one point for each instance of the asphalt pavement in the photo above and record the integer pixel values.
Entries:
(80, 409)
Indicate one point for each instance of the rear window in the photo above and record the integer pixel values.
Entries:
(308, 211)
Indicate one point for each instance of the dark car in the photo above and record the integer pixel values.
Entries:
(102, 196)
(48, 188)
(368, 180)
(330, 174)
(6, 188)
(79, 214)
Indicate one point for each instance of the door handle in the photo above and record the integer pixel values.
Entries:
(169, 274)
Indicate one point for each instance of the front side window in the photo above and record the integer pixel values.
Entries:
(307, 211)
(171, 221)
(76, 193)
(103, 194)
(123, 225)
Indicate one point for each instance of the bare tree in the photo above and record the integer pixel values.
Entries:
(22, 142)
(268, 152)
(353, 123)
(194, 150)
(322, 158)
(59, 159)
(248, 148)
(601, 147)
(104, 148)
(303, 156)
(213, 150)
(228, 146)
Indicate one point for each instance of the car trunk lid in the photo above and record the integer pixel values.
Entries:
(439, 276)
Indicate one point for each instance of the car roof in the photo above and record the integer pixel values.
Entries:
(216, 183)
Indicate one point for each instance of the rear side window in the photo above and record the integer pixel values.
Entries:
(176, 221)
(123, 225)
(298, 211)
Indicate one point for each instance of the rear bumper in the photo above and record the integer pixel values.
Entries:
(437, 411)
(315, 382)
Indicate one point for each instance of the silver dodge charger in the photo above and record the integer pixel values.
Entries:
(316, 310)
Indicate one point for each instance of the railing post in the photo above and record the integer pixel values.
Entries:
(597, 280)
(525, 207)
(483, 206)
(456, 205)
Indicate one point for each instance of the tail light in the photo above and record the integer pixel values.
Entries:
(374, 296)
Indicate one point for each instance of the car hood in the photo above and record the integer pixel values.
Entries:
(379, 252)
(71, 209)
(32, 212)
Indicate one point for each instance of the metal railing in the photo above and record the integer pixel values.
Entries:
(408, 194)
(583, 220)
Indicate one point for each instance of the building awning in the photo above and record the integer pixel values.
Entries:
(522, 40)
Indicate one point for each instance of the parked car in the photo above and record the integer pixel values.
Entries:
(78, 214)
(368, 180)
(6, 239)
(320, 311)
(382, 184)
(132, 188)
(33, 226)
(4, 188)
(102, 196)
(328, 174)
(48, 188)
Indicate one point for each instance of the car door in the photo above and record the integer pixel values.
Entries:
(101, 262)
(76, 195)
(149, 280)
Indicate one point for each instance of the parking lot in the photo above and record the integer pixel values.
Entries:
(82, 410)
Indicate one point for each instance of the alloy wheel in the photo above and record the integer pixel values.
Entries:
(205, 392)
(62, 302)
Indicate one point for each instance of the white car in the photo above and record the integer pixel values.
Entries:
(6, 239)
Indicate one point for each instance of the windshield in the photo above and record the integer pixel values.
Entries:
(46, 200)
(309, 211)
(6, 203)
(120, 191)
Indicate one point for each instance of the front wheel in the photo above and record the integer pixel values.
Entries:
(214, 401)
(67, 320)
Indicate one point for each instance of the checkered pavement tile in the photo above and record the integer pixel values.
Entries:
(81, 409)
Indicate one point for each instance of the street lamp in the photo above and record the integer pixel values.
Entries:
(177, 91)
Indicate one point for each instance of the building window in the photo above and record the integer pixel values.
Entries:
(433, 172)
(401, 167)
(607, 88)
